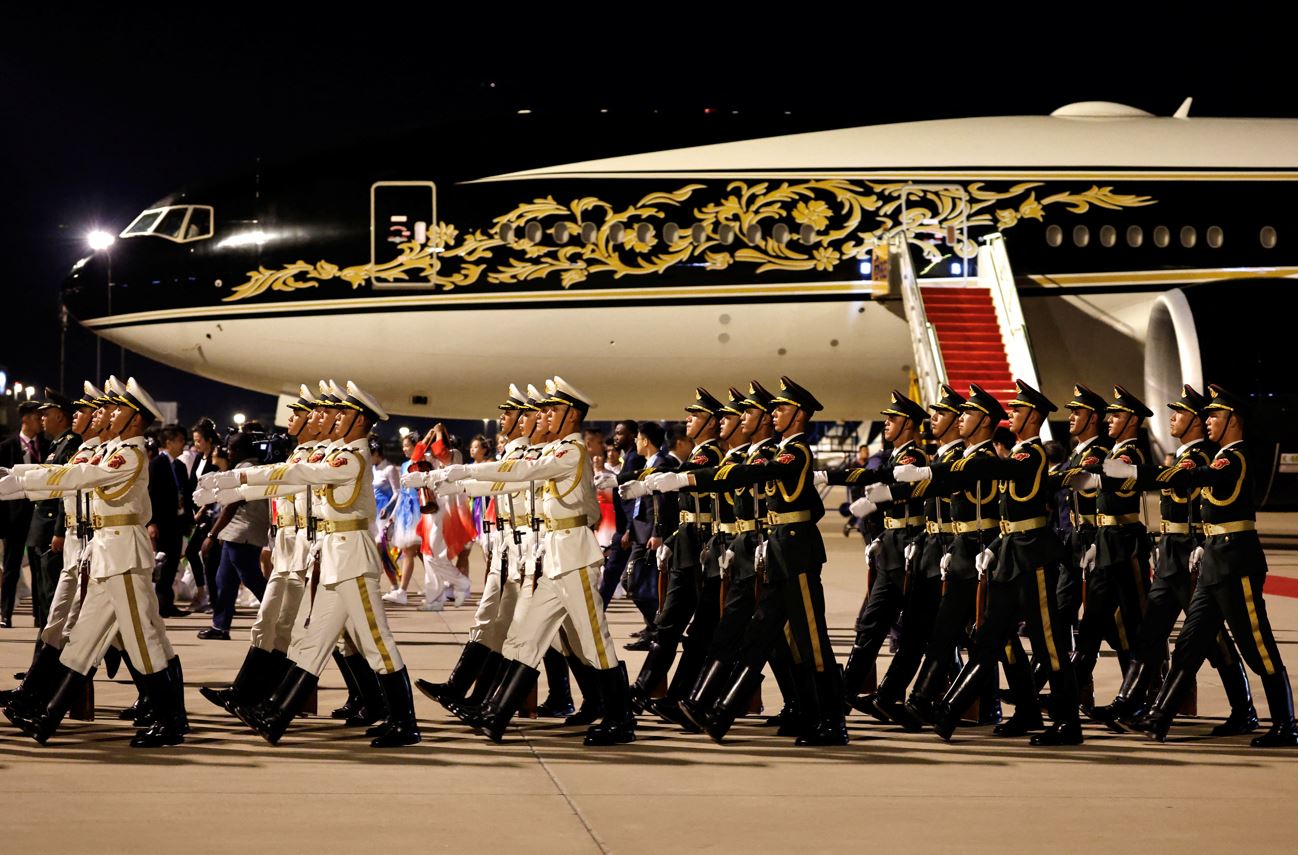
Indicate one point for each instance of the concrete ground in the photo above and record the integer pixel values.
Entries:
(323, 790)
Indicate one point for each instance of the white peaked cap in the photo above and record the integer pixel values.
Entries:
(139, 400)
(358, 399)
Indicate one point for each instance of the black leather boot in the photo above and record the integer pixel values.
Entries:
(490, 681)
(138, 712)
(966, 687)
(34, 691)
(856, 671)
(401, 726)
(1129, 703)
(703, 697)
(68, 687)
(167, 705)
(272, 717)
(469, 667)
(354, 700)
(788, 720)
(734, 702)
(592, 705)
(374, 705)
(929, 688)
(829, 727)
(558, 698)
(1279, 698)
(1022, 686)
(618, 724)
(1065, 732)
(888, 704)
(178, 686)
(249, 684)
(1243, 715)
(1159, 720)
(499, 709)
(657, 662)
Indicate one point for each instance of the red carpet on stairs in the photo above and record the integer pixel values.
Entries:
(970, 338)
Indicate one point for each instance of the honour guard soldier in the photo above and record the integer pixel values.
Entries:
(1232, 570)
(72, 527)
(687, 590)
(1024, 568)
(1084, 420)
(1116, 584)
(791, 562)
(266, 660)
(1181, 532)
(566, 594)
(347, 589)
(903, 524)
(47, 528)
(922, 590)
(119, 594)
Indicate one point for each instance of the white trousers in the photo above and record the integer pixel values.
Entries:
(66, 601)
(495, 613)
(570, 602)
(127, 602)
(355, 602)
(273, 629)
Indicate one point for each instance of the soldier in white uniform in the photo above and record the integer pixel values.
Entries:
(567, 592)
(347, 589)
(89, 420)
(120, 591)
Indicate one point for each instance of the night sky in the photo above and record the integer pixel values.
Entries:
(104, 112)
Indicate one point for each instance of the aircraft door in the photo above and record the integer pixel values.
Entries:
(401, 215)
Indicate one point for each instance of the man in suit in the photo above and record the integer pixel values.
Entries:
(615, 561)
(28, 446)
(45, 535)
(167, 480)
(643, 525)
(204, 569)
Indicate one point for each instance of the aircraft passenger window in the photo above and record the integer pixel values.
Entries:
(562, 233)
(671, 233)
(780, 234)
(143, 222)
(1054, 235)
(644, 233)
(807, 234)
(726, 233)
(1215, 237)
(507, 233)
(200, 223)
(1162, 237)
(534, 232)
(1081, 236)
(1108, 236)
(753, 234)
(698, 233)
(615, 233)
(171, 223)
(1189, 237)
(1268, 237)
(588, 232)
(1135, 236)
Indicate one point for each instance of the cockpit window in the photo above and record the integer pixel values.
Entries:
(179, 223)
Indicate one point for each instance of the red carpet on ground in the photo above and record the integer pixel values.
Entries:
(1281, 586)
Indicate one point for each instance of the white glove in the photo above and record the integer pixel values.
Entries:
(1115, 468)
(413, 480)
(450, 488)
(4, 471)
(454, 472)
(878, 493)
(1196, 558)
(862, 507)
(1088, 559)
(605, 481)
(909, 472)
(313, 554)
(208, 480)
(1085, 481)
(633, 490)
(985, 561)
(726, 559)
(228, 496)
(873, 547)
(820, 478)
(204, 496)
(667, 482)
(944, 564)
(1153, 557)
(664, 555)
(759, 555)
(11, 488)
(222, 480)
(910, 550)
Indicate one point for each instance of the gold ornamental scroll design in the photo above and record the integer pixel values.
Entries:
(848, 218)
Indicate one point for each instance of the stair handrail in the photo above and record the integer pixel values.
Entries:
(929, 365)
(996, 275)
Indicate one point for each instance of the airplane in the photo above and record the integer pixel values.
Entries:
(1146, 250)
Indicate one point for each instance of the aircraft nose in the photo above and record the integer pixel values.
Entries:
(86, 286)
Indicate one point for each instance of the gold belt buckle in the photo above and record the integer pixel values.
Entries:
(96, 521)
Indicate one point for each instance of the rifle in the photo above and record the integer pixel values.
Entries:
(518, 541)
(984, 584)
(536, 533)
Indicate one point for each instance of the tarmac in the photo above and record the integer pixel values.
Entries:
(324, 790)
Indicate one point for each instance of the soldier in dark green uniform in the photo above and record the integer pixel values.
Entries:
(1117, 583)
(791, 588)
(739, 569)
(903, 524)
(1024, 567)
(1232, 571)
(1181, 531)
(1084, 422)
(48, 516)
(923, 585)
(684, 579)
